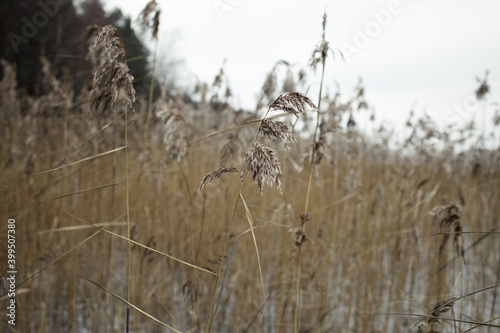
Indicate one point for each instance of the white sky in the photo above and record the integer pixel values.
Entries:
(427, 53)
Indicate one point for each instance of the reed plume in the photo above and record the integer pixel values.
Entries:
(215, 175)
(449, 218)
(149, 18)
(441, 307)
(112, 81)
(261, 160)
(278, 130)
(268, 90)
(293, 103)
(264, 165)
(231, 148)
(175, 135)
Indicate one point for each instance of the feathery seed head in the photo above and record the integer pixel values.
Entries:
(175, 138)
(270, 85)
(112, 81)
(294, 103)
(449, 217)
(274, 129)
(215, 175)
(321, 51)
(231, 148)
(93, 52)
(443, 211)
(441, 307)
(264, 166)
(149, 18)
(299, 236)
(175, 129)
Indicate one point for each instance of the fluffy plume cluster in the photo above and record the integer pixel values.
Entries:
(289, 82)
(440, 308)
(149, 18)
(93, 51)
(270, 84)
(298, 233)
(220, 91)
(261, 160)
(274, 129)
(449, 218)
(195, 290)
(299, 236)
(112, 81)
(61, 94)
(215, 175)
(175, 137)
(231, 148)
(264, 166)
(292, 103)
(321, 51)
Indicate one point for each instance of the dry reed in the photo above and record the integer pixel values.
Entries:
(369, 249)
(112, 85)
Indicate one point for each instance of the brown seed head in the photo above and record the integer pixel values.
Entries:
(215, 175)
(149, 18)
(441, 307)
(175, 137)
(294, 103)
(321, 51)
(277, 130)
(270, 85)
(231, 148)
(112, 81)
(299, 236)
(93, 52)
(264, 166)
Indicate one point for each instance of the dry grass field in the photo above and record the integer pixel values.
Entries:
(114, 232)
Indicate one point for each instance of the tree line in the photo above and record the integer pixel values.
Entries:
(55, 30)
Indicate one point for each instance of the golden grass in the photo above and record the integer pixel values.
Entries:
(225, 257)
(372, 247)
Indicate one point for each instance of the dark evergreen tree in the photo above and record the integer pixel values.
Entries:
(32, 29)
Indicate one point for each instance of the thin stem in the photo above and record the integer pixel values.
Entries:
(297, 290)
(150, 103)
(129, 245)
(209, 325)
(308, 195)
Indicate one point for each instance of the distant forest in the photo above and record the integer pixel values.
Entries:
(55, 30)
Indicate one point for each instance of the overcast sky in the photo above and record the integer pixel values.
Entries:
(410, 53)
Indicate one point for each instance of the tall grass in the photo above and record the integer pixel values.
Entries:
(400, 239)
